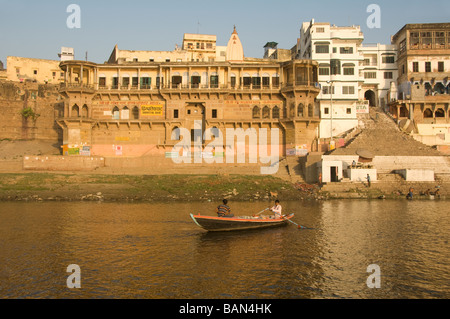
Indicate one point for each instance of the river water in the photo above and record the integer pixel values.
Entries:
(155, 251)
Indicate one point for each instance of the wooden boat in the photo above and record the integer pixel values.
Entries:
(216, 224)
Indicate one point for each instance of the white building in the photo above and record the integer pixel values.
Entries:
(378, 71)
(337, 51)
(352, 75)
(67, 54)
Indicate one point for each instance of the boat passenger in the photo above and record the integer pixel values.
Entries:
(277, 209)
(224, 210)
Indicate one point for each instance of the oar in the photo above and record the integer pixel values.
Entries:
(261, 212)
(298, 226)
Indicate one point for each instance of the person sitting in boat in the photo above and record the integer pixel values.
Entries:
(277, 209)
(224, 210)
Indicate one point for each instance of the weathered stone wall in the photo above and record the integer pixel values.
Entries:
(43, 101)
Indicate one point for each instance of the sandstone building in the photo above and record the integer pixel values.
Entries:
(133, 104)
(21, 69)
(421, 97)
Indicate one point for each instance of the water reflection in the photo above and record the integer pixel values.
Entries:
(156, 251)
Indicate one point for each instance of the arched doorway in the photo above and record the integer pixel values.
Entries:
(371, 97)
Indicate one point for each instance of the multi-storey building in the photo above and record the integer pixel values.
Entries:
(353, 76)
(336, 49)
(133, 106)
(377, 72)
(422, 94)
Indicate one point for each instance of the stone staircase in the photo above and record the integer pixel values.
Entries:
(292, 169)
(381, 136)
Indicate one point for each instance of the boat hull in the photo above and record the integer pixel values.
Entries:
(218, 224)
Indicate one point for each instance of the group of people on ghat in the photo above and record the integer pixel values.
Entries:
(224, 211)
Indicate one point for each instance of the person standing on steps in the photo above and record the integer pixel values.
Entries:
(368, 180)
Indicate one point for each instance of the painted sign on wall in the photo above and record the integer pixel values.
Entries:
(153, 109)
(362, 107)
(85, 151)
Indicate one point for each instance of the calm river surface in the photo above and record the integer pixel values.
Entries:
(155, 251)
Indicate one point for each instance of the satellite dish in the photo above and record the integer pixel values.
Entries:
(405, 125)
(365, 154)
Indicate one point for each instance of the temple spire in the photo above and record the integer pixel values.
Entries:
(235, 51)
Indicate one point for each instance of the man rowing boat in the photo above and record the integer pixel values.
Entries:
(277, 209)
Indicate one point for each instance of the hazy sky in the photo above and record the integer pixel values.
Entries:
(38, 29)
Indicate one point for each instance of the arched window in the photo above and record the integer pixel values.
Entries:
(439, 113)
(135, 113)
(428, 89)
(276, 112)
(439, 88)
(310, 110)
(125, 113)
(301, 110)
(428, 114)
(266, 112)
(215, 131)
(75, 111)
(256, 112)
(116, 113)
(292, 110)
(176, 134)
(85, 112)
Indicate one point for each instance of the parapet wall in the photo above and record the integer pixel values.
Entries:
(45, 103)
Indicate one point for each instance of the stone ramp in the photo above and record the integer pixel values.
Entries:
(381, 136)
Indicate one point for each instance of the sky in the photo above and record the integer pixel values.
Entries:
(38, 29)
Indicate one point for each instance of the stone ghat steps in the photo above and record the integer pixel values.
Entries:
(387, 187)
(381, 136)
